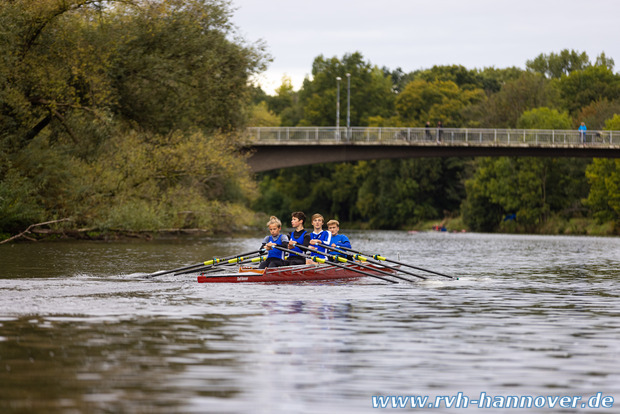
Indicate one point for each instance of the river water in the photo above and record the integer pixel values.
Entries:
(81, 331)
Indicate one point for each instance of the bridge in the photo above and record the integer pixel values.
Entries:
(271, 148)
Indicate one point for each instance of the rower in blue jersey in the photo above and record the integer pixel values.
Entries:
(275, 257)
(338, 240)
(319, 235)
(298, 236)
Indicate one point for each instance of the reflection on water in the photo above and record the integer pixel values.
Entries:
(81, 331)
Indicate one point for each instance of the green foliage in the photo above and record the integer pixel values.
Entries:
(397, 194)
(544, 118)
(111, 112)
(613, 124)
(286, 104)
(503, 109)
(261, 116)
(457, 74)
(285, 97)
(18, 203)
(187, 180)
(380, 194)
(173, 56)
(542, 193)
(603, 60)
(434, 101)
(530, 188)
(556, 65)
(493, 79)
(596, 114)
(604, 197)
(482, 211)
(121, 114)
(371, 91)
(591, 84)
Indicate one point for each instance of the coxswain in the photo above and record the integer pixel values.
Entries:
(275, 257)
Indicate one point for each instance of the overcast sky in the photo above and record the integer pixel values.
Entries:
(414, 34)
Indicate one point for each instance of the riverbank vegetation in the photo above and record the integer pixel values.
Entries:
(124, 116)
(509, 194)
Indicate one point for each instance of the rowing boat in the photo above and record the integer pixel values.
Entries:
(290, 274)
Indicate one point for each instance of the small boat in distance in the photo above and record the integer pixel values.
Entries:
(291, 274)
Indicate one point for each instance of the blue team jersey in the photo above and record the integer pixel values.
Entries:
(340, 240)
(280, 240)
(299, 240)
(325, 238)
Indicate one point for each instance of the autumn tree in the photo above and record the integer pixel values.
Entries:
(78, 75)
(503, 109)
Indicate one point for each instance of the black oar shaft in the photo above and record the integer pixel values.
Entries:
(335, 257)
(376, 262)
(216, 260)
(222, 262)
(319, 260)
(376, 256)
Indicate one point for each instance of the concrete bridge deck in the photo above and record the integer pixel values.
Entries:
(273, 148)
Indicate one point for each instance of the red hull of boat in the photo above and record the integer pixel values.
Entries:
(288, 274)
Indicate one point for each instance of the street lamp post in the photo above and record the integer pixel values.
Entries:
(348, 105)
(338, 79)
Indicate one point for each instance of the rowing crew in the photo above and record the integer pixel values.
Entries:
(301, 237)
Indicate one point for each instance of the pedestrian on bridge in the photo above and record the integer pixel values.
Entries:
(582, 132)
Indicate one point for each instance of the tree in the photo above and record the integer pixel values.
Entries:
(604, 197)
(544, 118)
(150, 62)
(286, 103)
(261, 116)
(49, 69)
(603, 60)
(109, 111)
(461, 76)
(613, 124)
(284, 98)
(503, 109)
(530, 188)
(555, 65)
(177, 67)
(493, 79)
(398, 77)
(491, 193)
(371, 91)
(423, 101)
(594, 83)
(597, 113)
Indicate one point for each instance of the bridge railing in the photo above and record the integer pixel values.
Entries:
(433, 136)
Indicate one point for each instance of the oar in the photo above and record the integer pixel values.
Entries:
(343, 260)
(377, 257)
(207, 263)
(320, 260)
(376, 262)
(235, 260)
